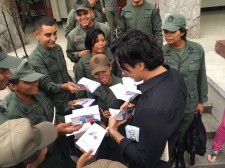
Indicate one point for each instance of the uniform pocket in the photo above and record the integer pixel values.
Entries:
(147, 13)
(194, 65)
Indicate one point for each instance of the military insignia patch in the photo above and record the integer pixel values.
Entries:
(96, 61)
(170, 19)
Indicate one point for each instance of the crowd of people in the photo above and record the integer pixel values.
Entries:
(130, 44)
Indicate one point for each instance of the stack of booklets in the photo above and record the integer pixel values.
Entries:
(84, 116)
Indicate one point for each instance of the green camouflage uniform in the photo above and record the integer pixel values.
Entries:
(192, 67)
(148, 20)
(71, 20)
(53, 64)
(58, 154)
(111, 7)
(105, 99)
(76, 39)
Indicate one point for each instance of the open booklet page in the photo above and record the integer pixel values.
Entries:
(89, 84)
(86, 102)
(92, 138)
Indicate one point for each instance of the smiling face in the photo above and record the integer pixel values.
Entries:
(25, 88)
(47, 36)
(5, 74)
(104, 77)
(84, 17)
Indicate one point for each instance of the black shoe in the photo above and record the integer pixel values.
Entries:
(180, 163)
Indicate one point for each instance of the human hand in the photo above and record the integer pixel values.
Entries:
(82, 53)
(70, 87)
(200, 107)
(67, 128)
(103, 10)
(124, 106)
(113, 124)
(73, 102)
(84, 159)
(106, 113)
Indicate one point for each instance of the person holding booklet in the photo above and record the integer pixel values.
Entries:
(27, 102)
(101, 68)
(159, 110)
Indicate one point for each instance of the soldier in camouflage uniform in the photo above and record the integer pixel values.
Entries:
(143, 16)
(27, 102)
(72, 22)
(110, 9)
(75, 40)
(189, 59)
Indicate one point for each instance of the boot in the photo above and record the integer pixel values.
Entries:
(180, 163)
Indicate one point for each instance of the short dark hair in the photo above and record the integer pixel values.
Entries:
(135, 46)
(92, 37)
(43, 20)
(183, 30)
(14, 81)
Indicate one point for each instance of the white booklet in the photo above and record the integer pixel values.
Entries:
(120, 91)
(92, 138)
(89, 84)
(130, 84)
(83, 116)
(86, 102)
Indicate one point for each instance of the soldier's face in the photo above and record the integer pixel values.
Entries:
(85, 18)
(104, 77)
(173, 37)
(25, 88)
(5, 74)
(47, 36)
(92, 2)
(99, 46)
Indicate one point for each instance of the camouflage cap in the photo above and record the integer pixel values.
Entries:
(174, 22)
(99, 62)
(81, 5)
(25, 72)
(7, 61)
(19, 140)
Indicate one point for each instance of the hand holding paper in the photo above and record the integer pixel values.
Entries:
(92, 138)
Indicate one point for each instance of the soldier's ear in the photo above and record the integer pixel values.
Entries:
(12, 87)
(36, 34)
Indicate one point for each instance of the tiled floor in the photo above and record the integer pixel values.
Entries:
(212, 29)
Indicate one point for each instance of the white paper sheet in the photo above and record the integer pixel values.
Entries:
(92, 138)
(86, 102)
(90, 84)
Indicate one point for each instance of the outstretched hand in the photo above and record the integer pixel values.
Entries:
(67, 128)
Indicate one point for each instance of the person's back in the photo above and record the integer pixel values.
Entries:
(142, 16)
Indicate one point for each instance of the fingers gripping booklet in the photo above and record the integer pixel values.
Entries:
(92, 138)
(132, 132)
